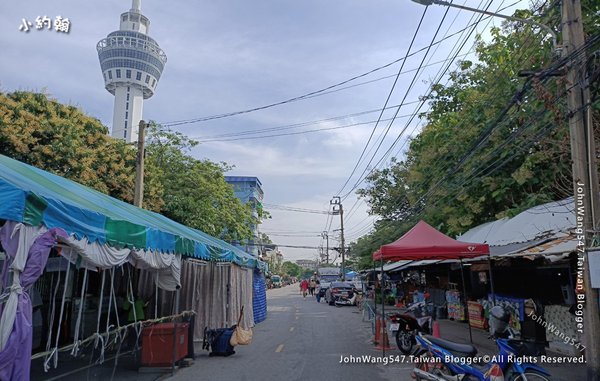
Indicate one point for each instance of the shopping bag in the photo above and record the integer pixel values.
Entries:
(240, 335)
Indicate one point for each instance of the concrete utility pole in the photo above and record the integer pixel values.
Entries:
(340, 210)
(585, 179)
(326, 236)
(138, 197)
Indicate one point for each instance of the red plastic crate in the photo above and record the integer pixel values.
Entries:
(157, 344)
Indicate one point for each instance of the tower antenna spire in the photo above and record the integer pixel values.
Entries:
(136, 5)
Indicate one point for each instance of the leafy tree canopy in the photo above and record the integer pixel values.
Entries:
(61, 139)
(492, 143)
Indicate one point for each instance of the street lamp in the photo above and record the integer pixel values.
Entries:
(476, 10)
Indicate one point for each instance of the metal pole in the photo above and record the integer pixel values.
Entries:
(383, 344)
(326, 236)
(585, 180)
(465, 308)
(492, 279)
(342, 243)
(138, 197)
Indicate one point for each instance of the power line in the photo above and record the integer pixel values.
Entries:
(294, 133)
(440, 74)
(363, 176)
(309, 95)
(386, 101)
(293, 209)
(542, 132)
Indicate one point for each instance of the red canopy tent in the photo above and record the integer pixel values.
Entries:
(425, 242)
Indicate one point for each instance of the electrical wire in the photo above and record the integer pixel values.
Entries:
(537, 136)
(309, 95)
(387, 99)
(378, 164)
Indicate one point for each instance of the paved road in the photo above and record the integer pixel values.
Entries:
(300, 340)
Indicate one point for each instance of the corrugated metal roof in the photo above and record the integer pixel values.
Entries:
(534, 225)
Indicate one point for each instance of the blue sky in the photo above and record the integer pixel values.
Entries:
(234, 55)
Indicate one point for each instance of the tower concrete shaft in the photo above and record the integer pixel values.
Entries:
(132, 63)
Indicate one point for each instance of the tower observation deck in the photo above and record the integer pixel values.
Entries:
(132, 63)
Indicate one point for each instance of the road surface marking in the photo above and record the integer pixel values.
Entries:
(279, 348)
(292, 329)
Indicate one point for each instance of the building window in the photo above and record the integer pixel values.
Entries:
(128, 73)
(147, 78)
(153, 82)
(126, 117)
(125, 134)
(127, 106)
(127, 88)
(104, 76)
(125, 18)
(125, 125)
(109, 74)
(138, 76)
(127, 97)
(118, 73)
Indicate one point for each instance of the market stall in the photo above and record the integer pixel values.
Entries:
(92, 238)
(423, 242)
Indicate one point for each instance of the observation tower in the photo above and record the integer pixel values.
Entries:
(131, 63)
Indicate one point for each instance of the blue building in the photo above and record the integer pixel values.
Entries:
(248, 190)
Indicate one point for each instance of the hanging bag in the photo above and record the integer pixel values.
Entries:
(240, 335)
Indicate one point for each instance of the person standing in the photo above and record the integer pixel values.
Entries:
(304, 287)
(318, 290)
(312, 286)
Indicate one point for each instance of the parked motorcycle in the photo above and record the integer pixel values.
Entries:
(346, 299)
(450, 361)
(407, 324)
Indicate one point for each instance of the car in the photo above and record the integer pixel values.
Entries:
(276, 279)
(340, 293)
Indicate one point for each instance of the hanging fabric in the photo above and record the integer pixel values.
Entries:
(26, 255)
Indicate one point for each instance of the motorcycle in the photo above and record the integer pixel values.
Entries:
(445, 360)
(346, 300)
(409, 323)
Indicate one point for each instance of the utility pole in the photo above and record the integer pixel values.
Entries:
(138, 197)
(585, 181)
(326, 236)
(340, 210)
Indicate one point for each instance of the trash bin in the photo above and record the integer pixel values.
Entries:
(158, 348)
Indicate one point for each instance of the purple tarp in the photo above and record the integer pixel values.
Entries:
(15, 359)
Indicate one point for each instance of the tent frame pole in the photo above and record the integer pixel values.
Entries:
(465, 307)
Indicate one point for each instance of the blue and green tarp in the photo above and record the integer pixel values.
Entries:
(34, 196)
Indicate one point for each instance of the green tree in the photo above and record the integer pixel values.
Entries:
(492, 143)
(195, 191)
(291, 269)
(63, 140)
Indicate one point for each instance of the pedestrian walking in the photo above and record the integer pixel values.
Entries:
(318, 290)
(304, 287)
(312, 286)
